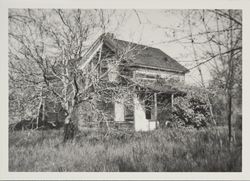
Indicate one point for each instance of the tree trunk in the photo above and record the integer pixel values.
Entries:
(229, 116)
(70, 126)
(69, 129)
(211, 109)
(230, 81)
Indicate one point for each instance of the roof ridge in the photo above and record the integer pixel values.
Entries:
(137, 43)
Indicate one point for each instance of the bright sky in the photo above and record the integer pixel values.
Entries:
(146, 30)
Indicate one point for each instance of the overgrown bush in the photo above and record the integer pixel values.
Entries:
(191, 110)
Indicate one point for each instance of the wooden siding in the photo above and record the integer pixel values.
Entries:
(148, 74)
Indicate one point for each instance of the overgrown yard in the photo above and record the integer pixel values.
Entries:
(167, 150)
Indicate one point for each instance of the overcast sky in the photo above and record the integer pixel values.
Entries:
(153, 28)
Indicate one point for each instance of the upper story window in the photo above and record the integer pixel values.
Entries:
(144, 75)
(159, 76)
(113, 72)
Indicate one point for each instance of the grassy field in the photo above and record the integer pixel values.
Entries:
(168, 150)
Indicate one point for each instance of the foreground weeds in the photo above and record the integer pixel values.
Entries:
(168, 150)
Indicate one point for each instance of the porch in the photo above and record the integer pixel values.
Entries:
(152, 106)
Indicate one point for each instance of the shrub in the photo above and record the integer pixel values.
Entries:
(191, 109)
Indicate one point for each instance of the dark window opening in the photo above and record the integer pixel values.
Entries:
(148, 113)
(151, 76)
(129, 113)
(148, 104)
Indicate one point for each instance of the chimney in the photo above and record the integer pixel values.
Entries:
(109, 35)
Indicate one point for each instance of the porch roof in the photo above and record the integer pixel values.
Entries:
(164, 89)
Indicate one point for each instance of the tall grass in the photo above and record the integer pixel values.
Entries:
(167, 150)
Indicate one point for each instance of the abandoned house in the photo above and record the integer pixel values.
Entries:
(151, 68)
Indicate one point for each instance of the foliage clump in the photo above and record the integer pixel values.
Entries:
(191, 110)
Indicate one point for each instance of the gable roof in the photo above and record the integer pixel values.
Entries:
(139, 55)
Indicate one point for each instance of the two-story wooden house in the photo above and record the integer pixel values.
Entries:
(143, 64)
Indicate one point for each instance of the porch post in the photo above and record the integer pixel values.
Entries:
(43, 116)
(140, 121)
(155, 109)
(172, 106)
(172, 101)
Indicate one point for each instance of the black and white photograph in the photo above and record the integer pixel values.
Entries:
(124, 90)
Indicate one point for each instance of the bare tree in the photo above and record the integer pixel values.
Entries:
(45, 49)
(215, 38)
